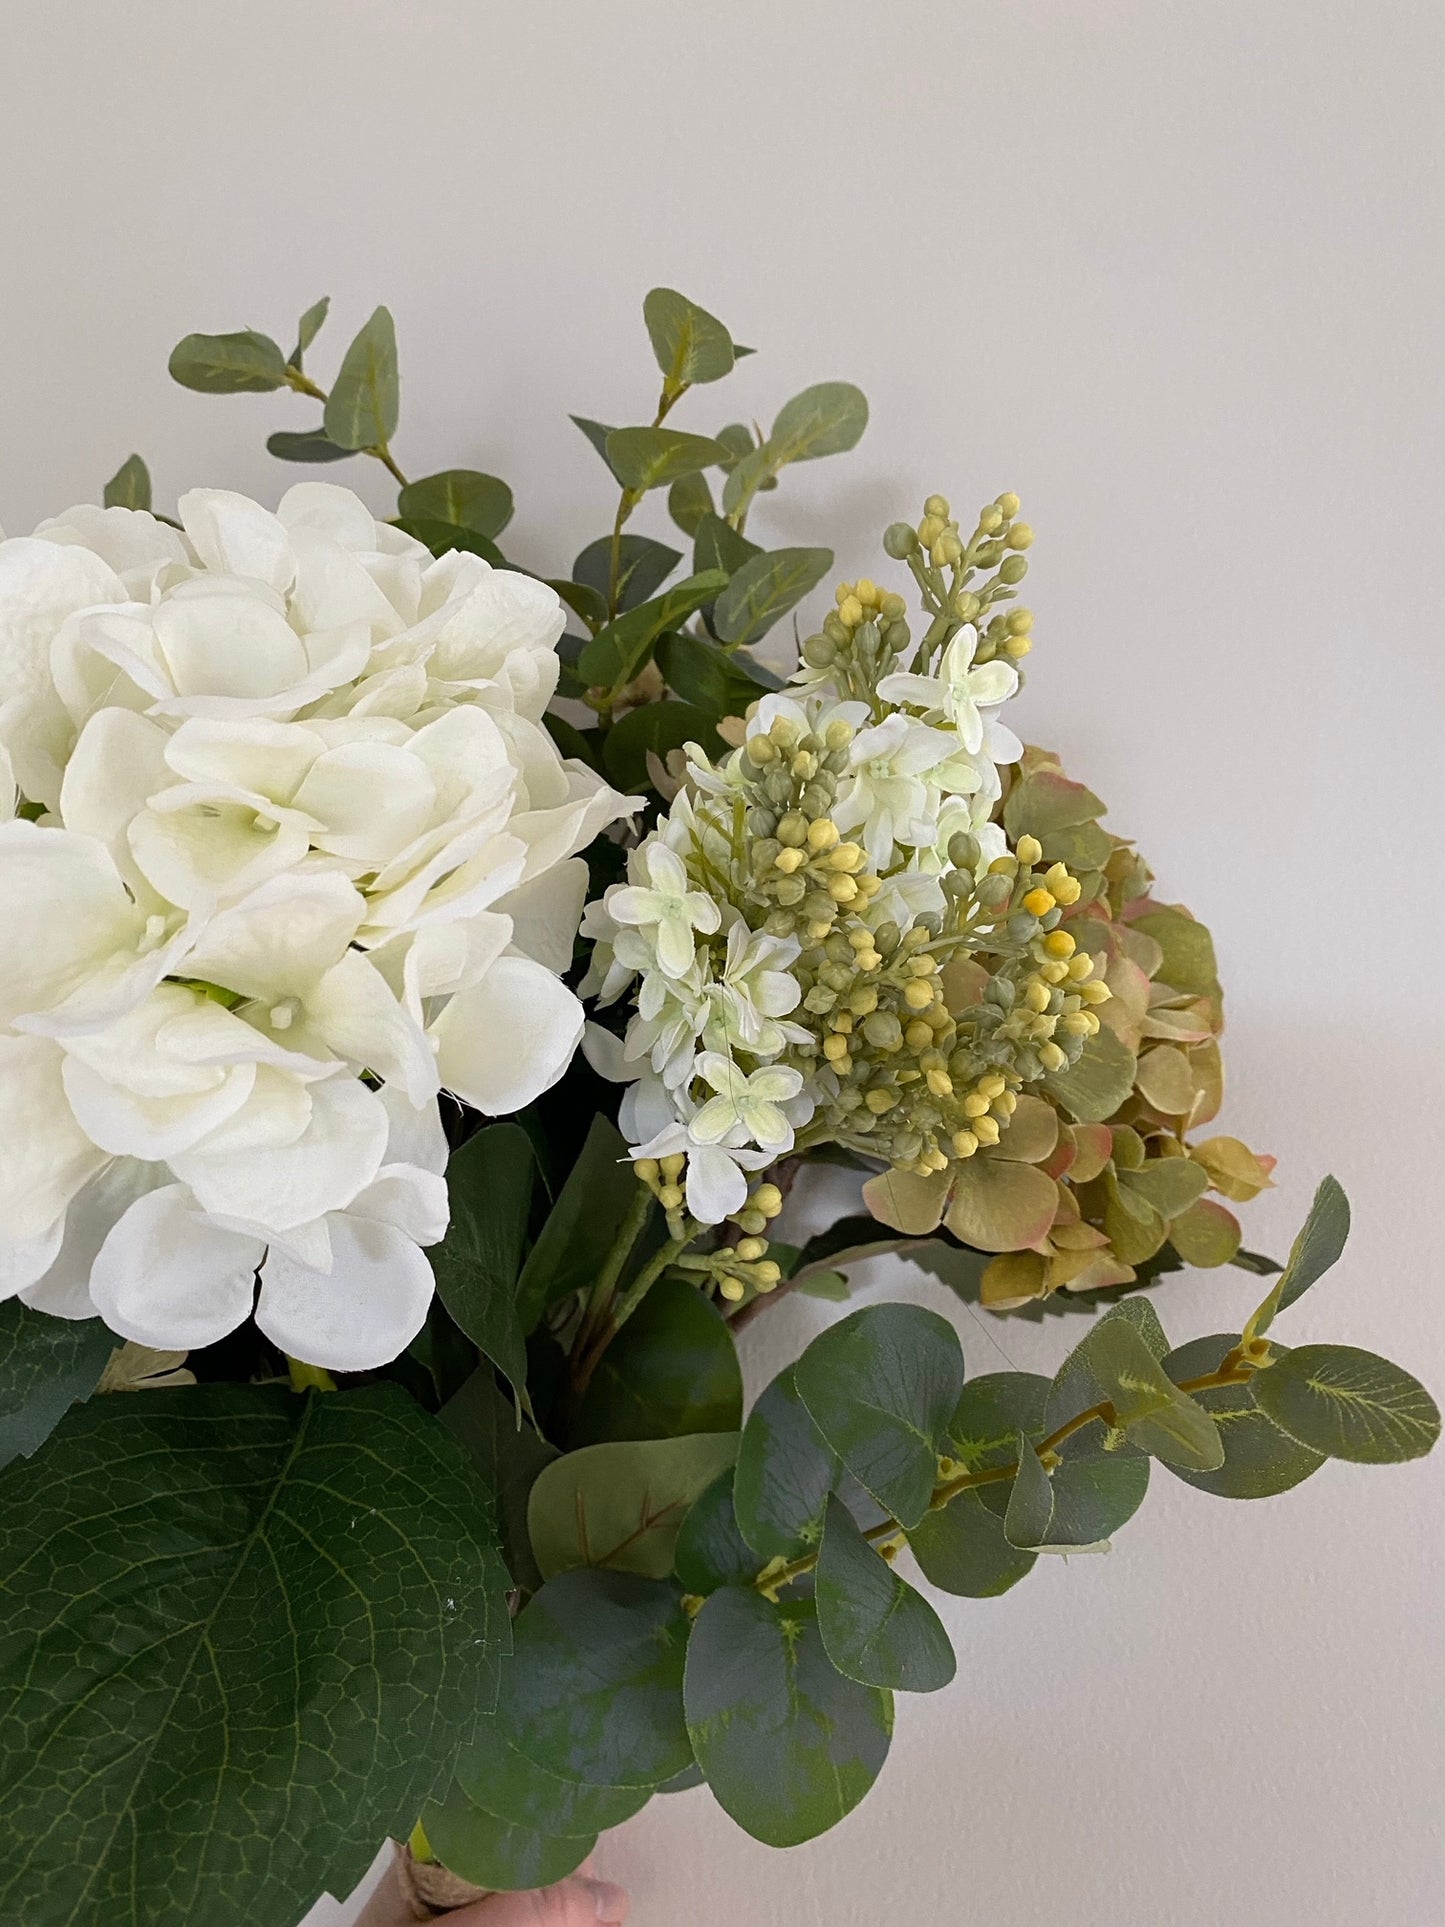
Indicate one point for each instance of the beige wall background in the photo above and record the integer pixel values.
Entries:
(1174, 273)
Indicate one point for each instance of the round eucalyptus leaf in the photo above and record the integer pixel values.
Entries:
(672, 1369)
(785, 1471)
(619, 1505)
(492, 1853)
(962, 1549)
(711, 1551)
(787, 1744)
(1349, 1404)
(1259, 1459)
(505, 1783)
(875, 1628)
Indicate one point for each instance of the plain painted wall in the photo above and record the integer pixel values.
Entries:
(1174, 273)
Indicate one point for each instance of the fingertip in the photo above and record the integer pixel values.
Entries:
(611, 1903)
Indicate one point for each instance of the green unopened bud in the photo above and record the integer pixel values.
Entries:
(988, 554)
(966, 605)
(937, 505)
(885, 937)
(819, 652)
(793, 830)
(995, 891)
(963, 850)
(1014, 569)
(899, 541)
(896, 637)
(883, 1031)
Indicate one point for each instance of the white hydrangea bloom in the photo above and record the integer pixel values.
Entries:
(284, 851)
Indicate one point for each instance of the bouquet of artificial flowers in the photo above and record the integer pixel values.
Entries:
(422, 982)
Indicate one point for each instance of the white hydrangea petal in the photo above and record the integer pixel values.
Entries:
(64, 1290)
(545, 913)
(335, 511)
(715, 1186)
(222, 644)
(371, 799)
(45, 1156)
(166, 1276)
(213, 852)
(509, 1037)
(117, 765)
(41, 584)
(282, 938)
(407, 1198)
(25, 1261)
(66, 916)
(236, 536)
(283, 1184)
(355, 1012)
(251, 753)
(360, 1314)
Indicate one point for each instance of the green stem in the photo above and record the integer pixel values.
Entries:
(605, 1285)
(1233, 1371)
(304, 385)
(611, 1320)
(629, 502)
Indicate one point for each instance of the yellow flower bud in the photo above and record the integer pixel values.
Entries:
(1093, 1022)
(939, 1082)
(793, 829)
(1020, 536)
(835, 1047)
(670, 1197)
(768, 1199)
(930, 528)
(673, 1166)
(917, 993)
(817, 932)
(879, 1101)
(1038, 903)
(842, 593)
(1019, 622)
(937, 505)
(1036, 996)
(1052, 1058)
(1005, 1104)
(851, 611)
(823, 834)
(1028, 849)
(1009, 503)
(646, 1169)
(1081, 965)
(992, 1085)
(964, 1144)
(986, 1130)
(1054, 973)
(766, 1275)
(990, 520)
(761, 751)
(750, 1248)
(1095, 991)
(849, 857)
(1058, 943)
(866, 591)
(751, 1220)
(838, 735)
(1017, 647)
(975, 1104)
(918, 1035)
(732, 1289)
(788, 861)
(842, 889)
(1005, 866)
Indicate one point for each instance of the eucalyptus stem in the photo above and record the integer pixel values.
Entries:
(380, 452)
(629, 501)
(1233, 1371)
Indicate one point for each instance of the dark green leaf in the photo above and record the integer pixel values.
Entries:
(710, 1551)
(706, 675)
(309, 327)
(442, 537)
(1259, 1459)
(583, 601)
(688, 501)
(765, 588)
(1094, 1493)
(585, 1219)
(672, 1369)
(306, 445)
(1319, 1244)
(509, 1453)
(1031, 1500)
(647, 458)
(881, 1386)
(718, 545)
(785, 1473)
(505, 1783)
(691, 345)
(593, 1690)
(991, 1412)
(825, 419)
(568, 738)
(620, 1505)
(1348, 1404)
(962, 1549)
(476, 1846)
(596, 433)
(661, 728)
(463, 497)
(615, 654)
(365, 401)
(788, 1745)
(489, 1182)
(245, 363)
(644, 565)
(46, 1366)
(244, 1632)
(130, 486)
(876, 1629)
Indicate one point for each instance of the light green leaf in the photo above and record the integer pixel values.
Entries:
(961, 1549)
(672, 1369)
(463, 497)
(593, 1691)
(718, 545)
(1031, 1500)
(505, 1783)
(244, 1630)
(788, 1745)
(620, 1505)
(245, 363)
(46, 1366)
(648, 458)
(1259, 1459)
(785, 1472)
(1095, 1087)
(583, 1222)
(1159, 1418)
(881, 1386)
(1319, 1244)
(1348, 1404)
(1189, 964)
(711, 1551)
(306, 445)
(365, 402)
(691, 345)
(826, 419)
(489, 1182)
(765, 588)
(130, 486)
(707, 676)
(1168, 1185)
(478, 1847)
(615, 654)
(875, 1628)
(309, 327)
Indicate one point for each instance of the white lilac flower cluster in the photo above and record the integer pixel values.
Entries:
(822, 849)
(285, 851)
